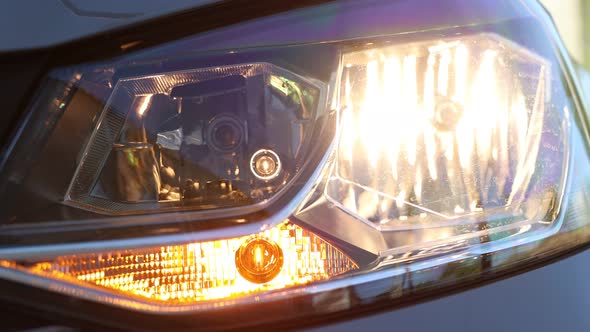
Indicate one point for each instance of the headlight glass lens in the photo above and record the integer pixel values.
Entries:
(447, 131)
(201, 139)
(320, 174)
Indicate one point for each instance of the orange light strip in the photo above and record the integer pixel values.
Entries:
(203, 271)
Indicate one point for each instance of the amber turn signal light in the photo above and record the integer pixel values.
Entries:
(279, 257)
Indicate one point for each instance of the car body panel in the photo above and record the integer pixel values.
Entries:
(552, 298)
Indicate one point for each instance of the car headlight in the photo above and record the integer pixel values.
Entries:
(320, 173)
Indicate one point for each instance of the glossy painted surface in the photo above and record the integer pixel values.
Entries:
(552, 298)
(66, 20)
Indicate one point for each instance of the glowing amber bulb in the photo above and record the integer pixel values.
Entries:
(259, 260)
(258, 256)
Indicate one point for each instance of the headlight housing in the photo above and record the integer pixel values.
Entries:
(320, 173)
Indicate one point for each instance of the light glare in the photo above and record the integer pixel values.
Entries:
(443, 129)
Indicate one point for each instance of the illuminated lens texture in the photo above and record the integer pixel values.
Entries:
(186, 138)
(446, 131)
(206, 270)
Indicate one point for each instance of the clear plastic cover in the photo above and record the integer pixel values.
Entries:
(441, 145)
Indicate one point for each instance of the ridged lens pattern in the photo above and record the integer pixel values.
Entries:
(203, 271)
